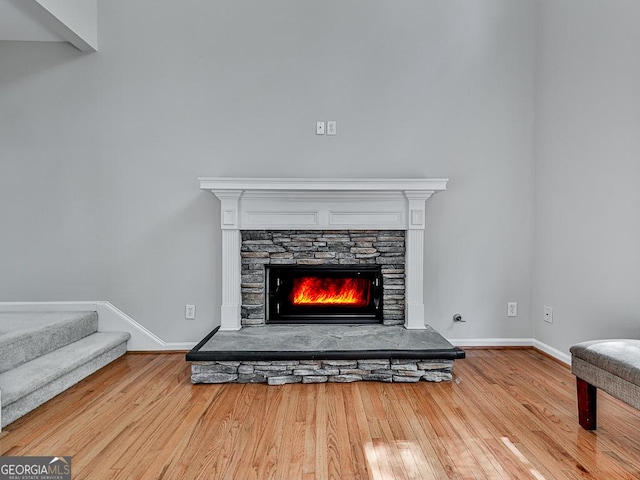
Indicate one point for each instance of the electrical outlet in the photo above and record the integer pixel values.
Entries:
(548, 314)
(332, 127)
(512, 309)
(190, 312)
(319, 128)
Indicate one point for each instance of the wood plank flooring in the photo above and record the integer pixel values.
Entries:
(507, 414)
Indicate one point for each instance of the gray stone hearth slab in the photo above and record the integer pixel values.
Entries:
(273, 342)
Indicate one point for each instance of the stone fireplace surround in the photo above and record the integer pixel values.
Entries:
(322, 248)
(312, 204)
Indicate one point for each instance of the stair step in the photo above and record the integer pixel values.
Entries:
(32, 383)
(28, 335)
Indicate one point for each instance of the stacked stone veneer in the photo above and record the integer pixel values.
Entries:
(322, 247)
(321, 371)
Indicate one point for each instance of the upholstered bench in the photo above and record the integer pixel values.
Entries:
(610, 365)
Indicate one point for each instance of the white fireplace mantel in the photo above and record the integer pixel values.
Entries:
(318, 204)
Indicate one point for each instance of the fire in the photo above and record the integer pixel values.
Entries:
(330, 291)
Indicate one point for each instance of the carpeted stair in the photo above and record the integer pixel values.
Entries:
(44, 353)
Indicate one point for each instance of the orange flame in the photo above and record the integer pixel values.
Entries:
(330, 291)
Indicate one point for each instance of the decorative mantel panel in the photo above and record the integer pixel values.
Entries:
(322, 204)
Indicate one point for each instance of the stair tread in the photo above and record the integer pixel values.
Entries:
(29, 376)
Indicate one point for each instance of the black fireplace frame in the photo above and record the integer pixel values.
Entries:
(279, 280)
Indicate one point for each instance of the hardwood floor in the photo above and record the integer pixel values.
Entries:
(508, 414)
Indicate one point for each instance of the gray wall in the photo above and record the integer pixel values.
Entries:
(50, 177)
(100, 153)
(587, 224)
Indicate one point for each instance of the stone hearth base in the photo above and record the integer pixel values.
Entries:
(279, 354)
(279, 372)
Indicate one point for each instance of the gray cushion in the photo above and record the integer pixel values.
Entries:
(620, 357)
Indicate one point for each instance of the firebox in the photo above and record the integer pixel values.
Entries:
(323, 294)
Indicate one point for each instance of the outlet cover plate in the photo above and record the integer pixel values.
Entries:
(512, 309)
(548, 314)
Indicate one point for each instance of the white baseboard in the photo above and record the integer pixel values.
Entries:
(491, 342)
(554, 352)
(110, 319)
(513, 342)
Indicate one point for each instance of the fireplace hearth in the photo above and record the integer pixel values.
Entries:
(323, 294)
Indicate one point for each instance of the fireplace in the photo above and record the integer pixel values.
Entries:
(323, 294)
(320, 253)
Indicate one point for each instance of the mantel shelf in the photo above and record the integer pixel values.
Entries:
(431, 185)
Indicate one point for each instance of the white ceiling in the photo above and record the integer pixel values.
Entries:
(18, 22)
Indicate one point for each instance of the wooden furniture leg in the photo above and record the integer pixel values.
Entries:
(587, 404)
